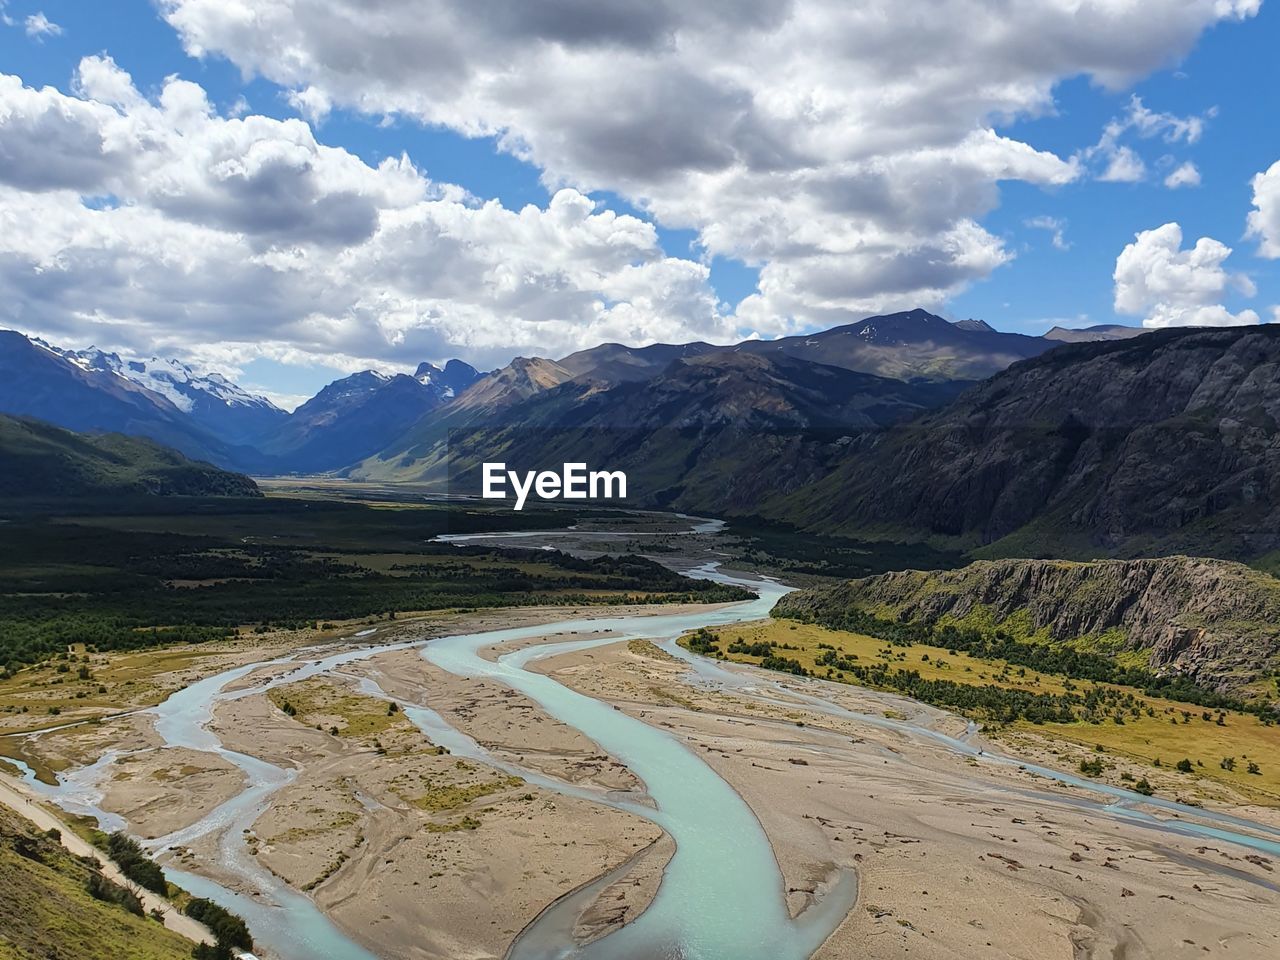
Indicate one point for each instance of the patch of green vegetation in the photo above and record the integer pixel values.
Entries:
(133, 574)
(37, 458)
(781, 546)
(647, 648)
(466, 823)
(358, 716)
(662, 693)
(135, 864)
(56, 905)
(996, 644)
(229, 929)
(1127, 722)
(452, 796)
(982, 618)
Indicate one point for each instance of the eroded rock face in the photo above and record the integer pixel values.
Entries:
(1214, 620)
(1169, 440)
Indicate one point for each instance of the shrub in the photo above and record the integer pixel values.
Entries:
(135, 864)
(230, 929)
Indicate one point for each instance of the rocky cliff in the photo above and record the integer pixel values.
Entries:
(1213, 620)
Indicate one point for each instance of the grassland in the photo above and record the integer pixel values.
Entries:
(1165, 730)
(322, 703)
(46, 910)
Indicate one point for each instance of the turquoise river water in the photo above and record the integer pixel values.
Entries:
(722, 894)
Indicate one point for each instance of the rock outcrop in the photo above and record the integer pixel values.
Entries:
(1213, 620)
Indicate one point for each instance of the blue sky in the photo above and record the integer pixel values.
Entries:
(1226, 79)
(1232, 68)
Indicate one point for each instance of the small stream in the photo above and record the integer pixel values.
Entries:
(722, 894)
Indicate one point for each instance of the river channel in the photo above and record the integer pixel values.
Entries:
(722, 894)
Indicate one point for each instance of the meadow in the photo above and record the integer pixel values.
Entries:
(1151, 731)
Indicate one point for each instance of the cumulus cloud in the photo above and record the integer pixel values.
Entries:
(1171, 287)
(1264, 219)
(809, 138)
(157, 224)
(1124, 166)
(1184, 175)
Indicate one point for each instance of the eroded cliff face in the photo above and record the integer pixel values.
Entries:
(1214, 620)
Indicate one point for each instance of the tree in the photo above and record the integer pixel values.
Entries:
(1184, 766)
(1228, 763)
(1092, 767)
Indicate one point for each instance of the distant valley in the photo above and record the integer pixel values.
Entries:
(375, 424)
(907, 427)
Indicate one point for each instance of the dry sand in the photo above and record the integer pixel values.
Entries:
(382, 827)
(160, 791)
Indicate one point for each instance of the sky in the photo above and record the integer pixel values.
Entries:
(287, 191)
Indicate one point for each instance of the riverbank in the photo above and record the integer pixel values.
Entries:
(955, 857)
(391, 836)
(376, 818)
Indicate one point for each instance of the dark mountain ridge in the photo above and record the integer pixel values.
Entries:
(1167, 442)
(36, 381)
(38, 459)
(911, 345)
(715, 431)
(351, 418)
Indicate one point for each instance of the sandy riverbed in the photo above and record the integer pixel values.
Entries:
(418, 854)
(954, 859)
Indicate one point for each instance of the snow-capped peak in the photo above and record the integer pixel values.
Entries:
(175, 381)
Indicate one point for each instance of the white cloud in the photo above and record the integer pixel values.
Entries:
(1185, 175)
(39, 26)
(1123, 164)
(1171, 287)
(1264, 219)
(810, 138)
(1055, 226)
(160, 226)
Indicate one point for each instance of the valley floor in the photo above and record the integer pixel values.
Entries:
(418, 853)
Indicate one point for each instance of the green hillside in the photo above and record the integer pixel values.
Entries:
(39, 459)
(47, 910)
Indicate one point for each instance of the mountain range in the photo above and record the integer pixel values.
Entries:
(209, 418)
(375, 423)
(713, 431)
(1098, 442)
(1164, 443)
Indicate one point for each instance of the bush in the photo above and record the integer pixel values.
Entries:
(100, 888)
(1092, 767)
(135, 864)
(216, 951)
(230, 929)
